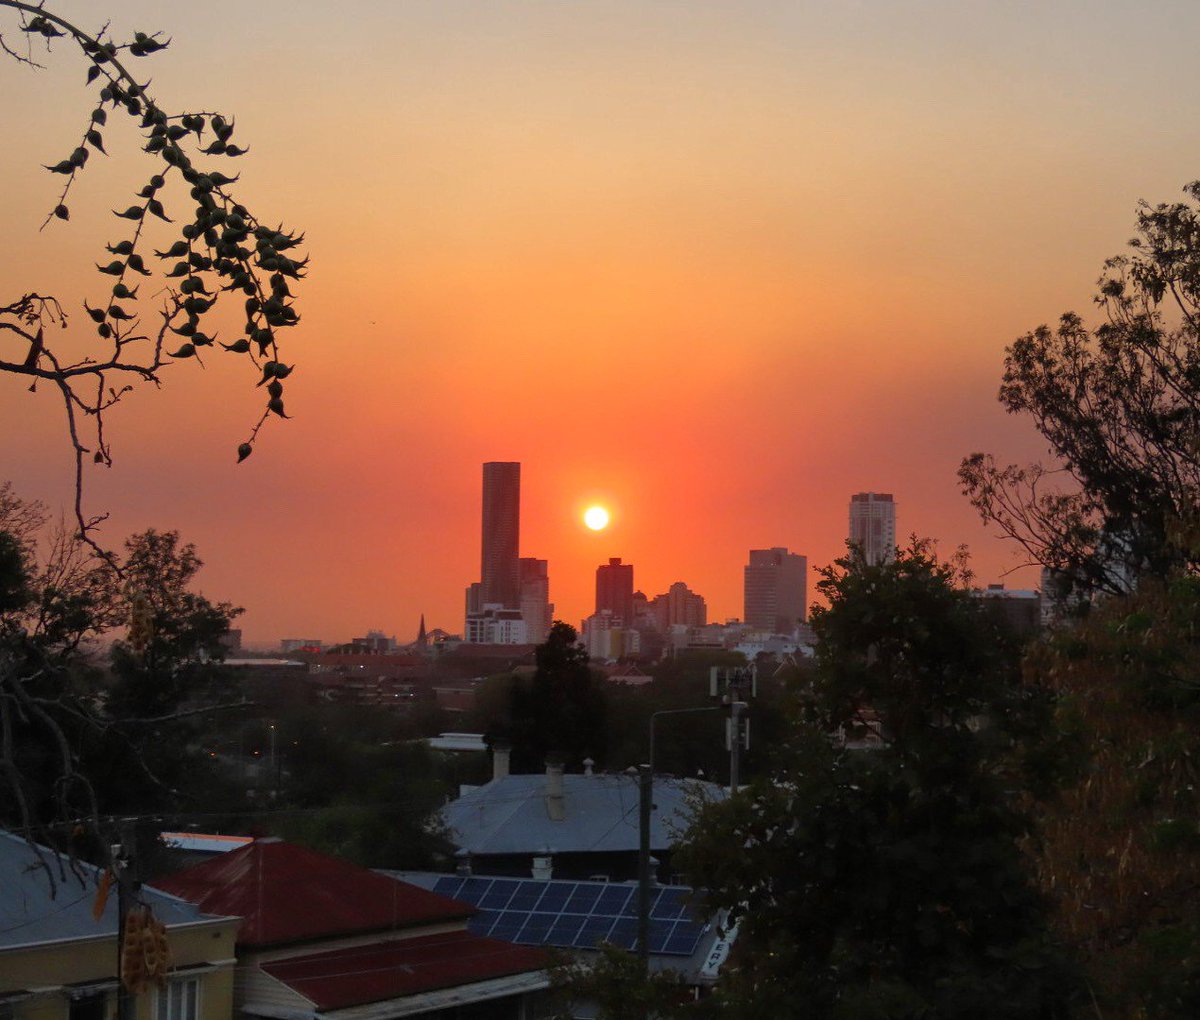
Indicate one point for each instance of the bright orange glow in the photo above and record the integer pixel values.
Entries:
(712, 268)
(596, 518)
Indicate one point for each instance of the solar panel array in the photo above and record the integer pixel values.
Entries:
(575, 915)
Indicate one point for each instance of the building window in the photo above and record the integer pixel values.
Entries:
(180, 1000)
(86, 1007)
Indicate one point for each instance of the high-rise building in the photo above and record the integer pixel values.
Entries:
(500, 576)
(614, 590)
(775, 590)
(679, 605)
(536, 608)
(873, 525)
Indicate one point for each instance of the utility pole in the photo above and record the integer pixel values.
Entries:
(732, 685)
(645, 795)
(125, 867)
(645, 805)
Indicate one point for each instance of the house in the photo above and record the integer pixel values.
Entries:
(567, 826)
(58, 961)
(325, 938)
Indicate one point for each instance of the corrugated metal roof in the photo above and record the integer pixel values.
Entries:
(355, 975)
(40, 907)
(510, 816)
(287, 893)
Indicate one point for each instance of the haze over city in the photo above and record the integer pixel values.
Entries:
(712, 267)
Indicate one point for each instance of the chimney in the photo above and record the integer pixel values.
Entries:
(500, 756)
(556, 807)
(543, 866)
(462, 861)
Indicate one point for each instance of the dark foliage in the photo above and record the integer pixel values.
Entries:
(1119, 406)
(888, 881)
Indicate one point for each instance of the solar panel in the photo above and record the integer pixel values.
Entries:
(565, 930)
(481, 923)
(497, 897)
(613, 899)
(682, 944)
(536, 928)
(473, 889)
(574, 914)
(526, 895)
(583, 899)
(448, 886)
(507, 925)
(624, 932)
(670, 904)
(554, 899)
(595, 929)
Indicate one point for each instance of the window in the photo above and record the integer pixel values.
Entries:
(180, 1000)
(88, 1007)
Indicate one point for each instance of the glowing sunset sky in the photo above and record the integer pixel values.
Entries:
(713, 266)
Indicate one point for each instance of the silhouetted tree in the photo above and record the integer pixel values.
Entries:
(77, 740)
(151, 311)
(888, 881)
(1119, 405)
(560, 713)
(1119, 848)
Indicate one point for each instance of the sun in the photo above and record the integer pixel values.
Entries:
(596, 518)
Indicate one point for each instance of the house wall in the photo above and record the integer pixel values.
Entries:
(47, 969)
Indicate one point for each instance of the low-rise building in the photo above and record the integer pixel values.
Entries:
(58, 945)
(323, 939)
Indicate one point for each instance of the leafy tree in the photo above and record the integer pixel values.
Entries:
(1119, 847)
(220, 247)
(1119, 406)
(888, 881)
(173, 650)
(614, 986)
(559, 713)
(75, 739)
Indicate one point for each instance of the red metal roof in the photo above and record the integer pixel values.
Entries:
(286, 893)
(390, 970)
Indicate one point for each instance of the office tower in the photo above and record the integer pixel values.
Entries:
(873, 525)
(614, 590)
(500, 577)
(775, 590)
(679, 606)
(536, 608)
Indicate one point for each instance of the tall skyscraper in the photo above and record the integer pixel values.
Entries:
(536, 608)
(614, 590)
(775, 590)
(500, 574)
(873, 525)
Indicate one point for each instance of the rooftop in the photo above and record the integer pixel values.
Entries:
(599, 814)
(48, 897)
(289, 894)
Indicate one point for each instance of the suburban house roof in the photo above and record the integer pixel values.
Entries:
(48, 897)
(598, 814)
(355, 975)
(287, 893)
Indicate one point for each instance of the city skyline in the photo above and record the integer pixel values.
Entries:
(717, 270)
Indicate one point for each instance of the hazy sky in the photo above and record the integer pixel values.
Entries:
(717, 266)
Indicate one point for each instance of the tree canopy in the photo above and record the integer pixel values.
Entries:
(882, 877)
(1119, 406)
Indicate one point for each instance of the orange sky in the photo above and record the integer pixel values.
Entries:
(715, 265)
